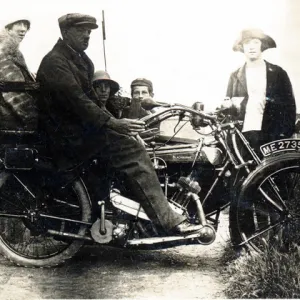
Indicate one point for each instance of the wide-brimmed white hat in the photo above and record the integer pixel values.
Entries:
(253, 33)
(6, 22)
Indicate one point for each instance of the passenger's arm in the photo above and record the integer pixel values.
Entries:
(21, 104)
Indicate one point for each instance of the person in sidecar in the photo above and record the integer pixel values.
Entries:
(260, 93)
(18, 110)
(80, 129)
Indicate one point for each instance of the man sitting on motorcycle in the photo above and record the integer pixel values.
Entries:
(80, 129)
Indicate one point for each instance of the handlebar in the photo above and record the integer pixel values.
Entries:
(176, 109)
(172, 108)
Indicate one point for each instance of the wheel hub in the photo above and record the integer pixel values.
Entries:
(34, 223)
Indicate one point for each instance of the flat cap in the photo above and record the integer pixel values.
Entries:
(142, 82)
(76, 19)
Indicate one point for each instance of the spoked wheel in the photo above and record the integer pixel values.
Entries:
(267, 212)
(33, 206)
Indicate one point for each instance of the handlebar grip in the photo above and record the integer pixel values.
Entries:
(230, 124)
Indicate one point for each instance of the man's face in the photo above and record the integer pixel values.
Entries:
(78, 37)
(19, 30)
(140, 92)
(252, 49)
(103, 91)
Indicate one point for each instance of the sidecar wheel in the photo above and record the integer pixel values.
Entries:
(266, 214)
(26, 197)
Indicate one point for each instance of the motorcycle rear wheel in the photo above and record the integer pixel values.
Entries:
(266, 214)
(25, 199)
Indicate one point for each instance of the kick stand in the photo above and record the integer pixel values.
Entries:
(217, 219)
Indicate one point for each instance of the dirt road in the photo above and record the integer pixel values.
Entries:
(191, 272)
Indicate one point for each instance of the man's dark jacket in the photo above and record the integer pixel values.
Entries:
(69, 113)
(280, 110)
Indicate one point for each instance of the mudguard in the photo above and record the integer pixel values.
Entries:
(269, 165)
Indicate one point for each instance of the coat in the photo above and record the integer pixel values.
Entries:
(280, 109)
(18, 110)
(69, 113)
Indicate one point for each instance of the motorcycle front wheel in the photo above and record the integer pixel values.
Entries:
(32, 204)
(266, 214)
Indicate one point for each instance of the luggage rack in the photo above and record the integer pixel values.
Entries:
(20, 137)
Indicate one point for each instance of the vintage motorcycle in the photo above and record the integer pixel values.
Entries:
(46, 216)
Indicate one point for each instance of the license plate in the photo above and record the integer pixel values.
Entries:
(279, 146)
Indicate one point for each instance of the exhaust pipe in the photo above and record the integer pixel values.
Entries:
(205, 236)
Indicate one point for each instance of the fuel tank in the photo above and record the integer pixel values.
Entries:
(186, 153)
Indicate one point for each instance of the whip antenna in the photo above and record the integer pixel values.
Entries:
(104, 38)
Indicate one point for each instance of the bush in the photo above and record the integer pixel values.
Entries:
(270, 274)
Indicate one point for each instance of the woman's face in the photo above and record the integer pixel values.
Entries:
(252, 48)
(19, 30)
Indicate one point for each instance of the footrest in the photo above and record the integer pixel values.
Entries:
(166, 239)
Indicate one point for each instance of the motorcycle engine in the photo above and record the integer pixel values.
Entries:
(178, 176)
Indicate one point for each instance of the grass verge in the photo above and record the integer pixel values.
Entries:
(270, 274)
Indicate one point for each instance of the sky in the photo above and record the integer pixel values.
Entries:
(183, 47)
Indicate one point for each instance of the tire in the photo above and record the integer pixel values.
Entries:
(253, 217)
(24, 240)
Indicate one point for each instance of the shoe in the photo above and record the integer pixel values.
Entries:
(186, 227)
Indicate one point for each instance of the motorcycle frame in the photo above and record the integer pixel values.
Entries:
(233, 158)
(221, 134)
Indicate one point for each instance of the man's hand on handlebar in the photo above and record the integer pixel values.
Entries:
(126, 126)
